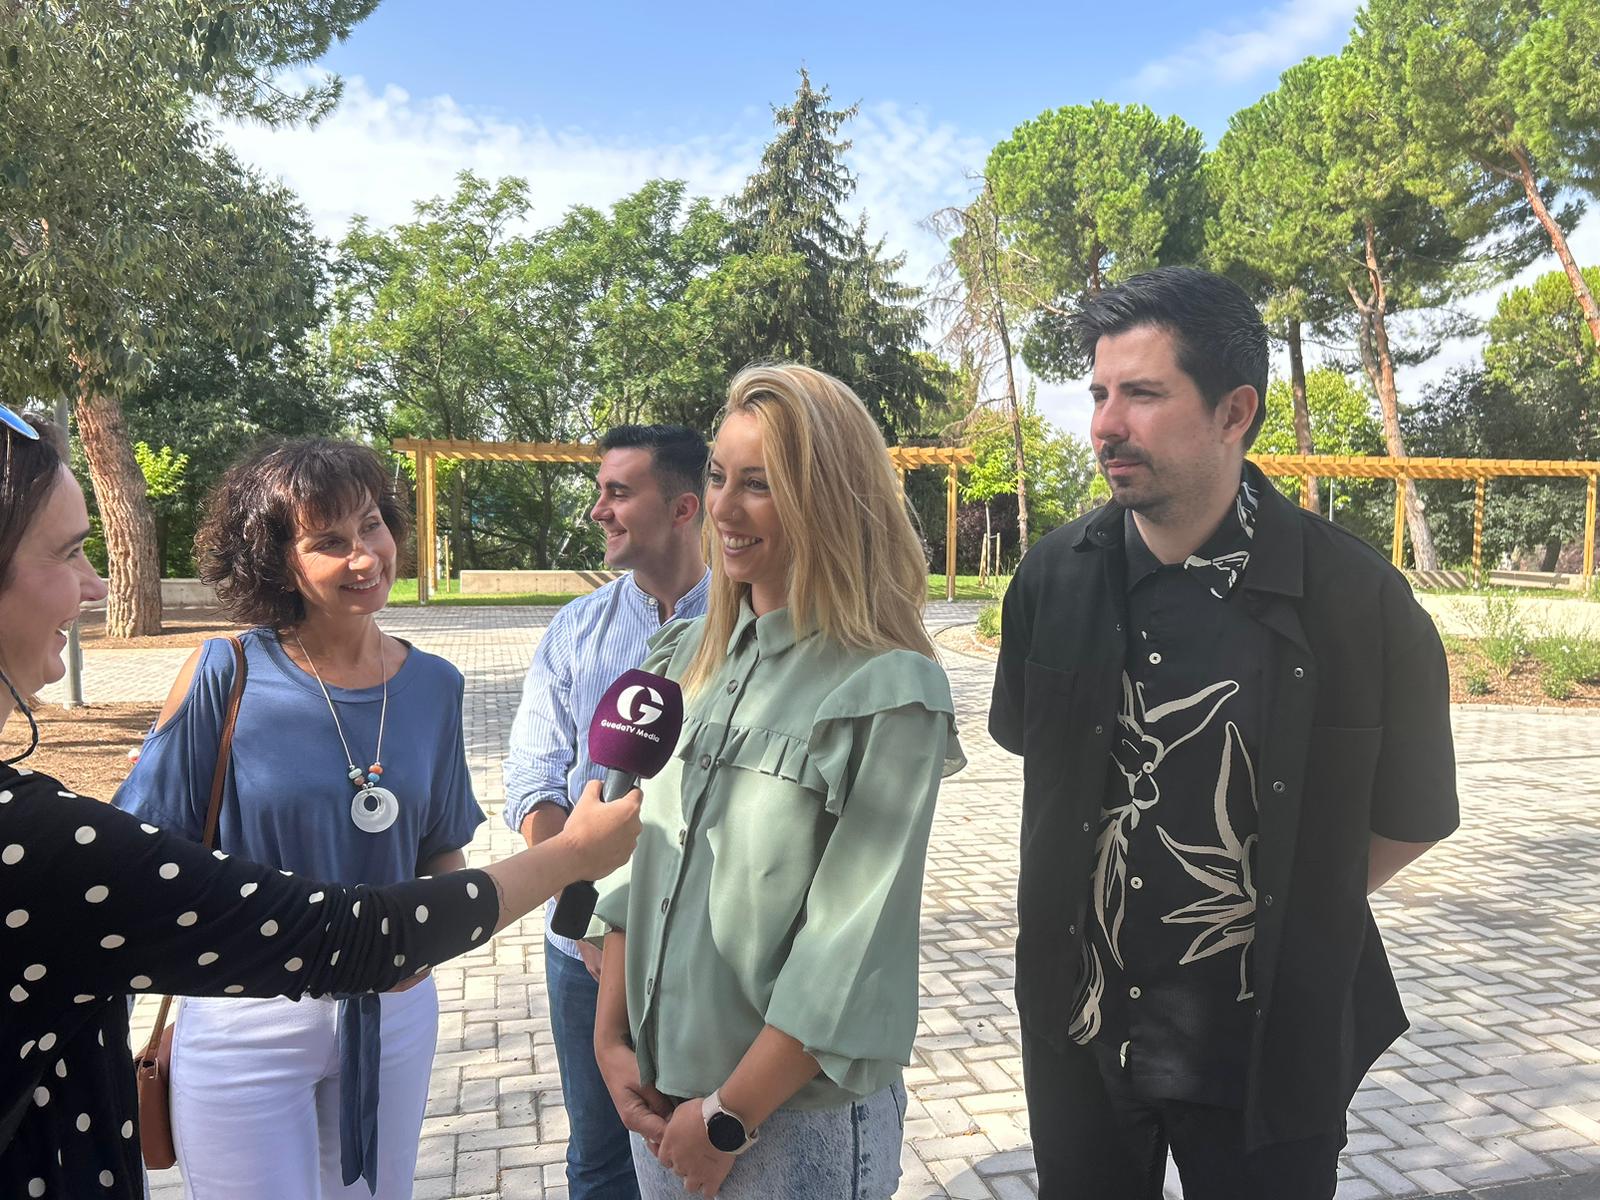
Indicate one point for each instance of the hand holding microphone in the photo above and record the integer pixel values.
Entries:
(634, 731)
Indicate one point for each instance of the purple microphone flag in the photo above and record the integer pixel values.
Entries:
(634, 731)
(636, 724)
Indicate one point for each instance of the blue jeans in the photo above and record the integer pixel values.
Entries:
(599, 1159)
(846, 1153)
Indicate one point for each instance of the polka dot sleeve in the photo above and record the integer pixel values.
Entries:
(97, 903)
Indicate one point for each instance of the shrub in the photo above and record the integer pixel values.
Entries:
(1502, 637)
(989, 621)
(1565, 662)
(1478, 682)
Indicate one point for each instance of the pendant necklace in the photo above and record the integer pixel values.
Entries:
(374, 808)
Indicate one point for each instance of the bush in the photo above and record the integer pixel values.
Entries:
(1565, 662)
(1478, 682)
(989, 621)
(1502, 637)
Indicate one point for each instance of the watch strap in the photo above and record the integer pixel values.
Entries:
(712, 1106)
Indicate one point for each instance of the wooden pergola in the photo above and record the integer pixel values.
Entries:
(427, 453)
(1403, 470)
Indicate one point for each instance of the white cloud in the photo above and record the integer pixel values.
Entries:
(1283, 36)
(384, 150)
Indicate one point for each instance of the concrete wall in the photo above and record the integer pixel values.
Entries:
(181, 593)
(548, 582)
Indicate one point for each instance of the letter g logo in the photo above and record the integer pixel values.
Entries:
(636, 709)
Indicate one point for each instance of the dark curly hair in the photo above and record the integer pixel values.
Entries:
(261, 504)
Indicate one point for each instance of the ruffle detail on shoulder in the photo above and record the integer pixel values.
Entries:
(894, 680)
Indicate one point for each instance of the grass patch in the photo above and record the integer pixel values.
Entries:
(967, 587)
(404, 595)
(405, 592)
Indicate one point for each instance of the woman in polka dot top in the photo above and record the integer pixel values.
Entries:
(95, 903)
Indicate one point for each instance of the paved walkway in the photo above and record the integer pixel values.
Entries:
(1493, 936)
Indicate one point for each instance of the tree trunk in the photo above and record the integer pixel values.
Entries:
(1302, 408)
(133, 605)
(1379, 364)
(1580, 287)
(1003, 327)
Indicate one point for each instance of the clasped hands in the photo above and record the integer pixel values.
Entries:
(675, 1135)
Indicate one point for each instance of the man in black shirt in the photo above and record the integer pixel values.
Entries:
(1234, 721)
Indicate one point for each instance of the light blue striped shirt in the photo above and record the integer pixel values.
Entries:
(590, 642)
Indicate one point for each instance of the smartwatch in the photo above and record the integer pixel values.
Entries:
(726, 1130)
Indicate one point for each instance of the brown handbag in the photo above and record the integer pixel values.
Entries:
(153, 1066)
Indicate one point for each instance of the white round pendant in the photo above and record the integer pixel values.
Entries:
(374, 809)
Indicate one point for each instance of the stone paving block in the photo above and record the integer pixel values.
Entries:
(1494, 937)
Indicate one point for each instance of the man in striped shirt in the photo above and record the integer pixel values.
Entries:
(652, 480)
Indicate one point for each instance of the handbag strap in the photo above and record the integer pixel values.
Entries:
(219, 778)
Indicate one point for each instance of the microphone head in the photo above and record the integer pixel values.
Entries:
(636, 724)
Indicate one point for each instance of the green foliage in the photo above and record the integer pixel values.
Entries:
(832, 299)
(1503, 637)
(1477, 681)
(1060, 466)
(1094, 194)
(163, 470)
(989, 621)
(1342, 422)
(1271, 227)
(124, 223)
(1499, 94)
(1342, 417)
(1565, 662)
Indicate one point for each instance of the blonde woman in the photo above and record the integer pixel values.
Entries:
(758, 994)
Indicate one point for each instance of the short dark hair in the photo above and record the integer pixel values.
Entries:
(28, 469)
(1220, 337)
(678, 454)
(254, 513)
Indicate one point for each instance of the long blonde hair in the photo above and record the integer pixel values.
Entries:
(856, 573)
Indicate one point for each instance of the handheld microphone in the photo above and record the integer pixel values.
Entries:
(634, 731)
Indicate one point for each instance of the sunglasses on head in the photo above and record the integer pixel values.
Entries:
(11, 421)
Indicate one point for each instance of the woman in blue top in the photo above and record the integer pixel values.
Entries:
(348, 766)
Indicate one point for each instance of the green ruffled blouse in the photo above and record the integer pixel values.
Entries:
(778, 880)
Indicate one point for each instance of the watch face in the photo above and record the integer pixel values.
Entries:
(725, 1131)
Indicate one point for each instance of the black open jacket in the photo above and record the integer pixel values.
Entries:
(1357, 741)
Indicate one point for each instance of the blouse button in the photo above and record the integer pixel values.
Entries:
(1277, 786)
(1086, 827)
(1299, 672)
(650, 986)
(733, 686)
(664, 904)
(705, 762)
(1134, 993)
(683, 836)
(1136, 883)
(1155, 658)
(1099, 728)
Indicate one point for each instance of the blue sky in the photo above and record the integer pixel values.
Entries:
(589, 101)
(674, 71)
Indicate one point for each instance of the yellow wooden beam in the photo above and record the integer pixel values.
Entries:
(1588, 527)
(950, 534)
(1373, 466)
(903, 457)
(1398, 550)
(1477, 533)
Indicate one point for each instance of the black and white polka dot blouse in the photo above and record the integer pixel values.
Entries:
(94, 905)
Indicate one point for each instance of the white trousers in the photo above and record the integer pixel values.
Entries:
(255, 1096)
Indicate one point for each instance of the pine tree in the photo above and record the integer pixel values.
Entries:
(843, 311)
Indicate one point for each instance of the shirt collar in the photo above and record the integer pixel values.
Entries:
(774, 631)
(691, 603)
(1277, 549)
